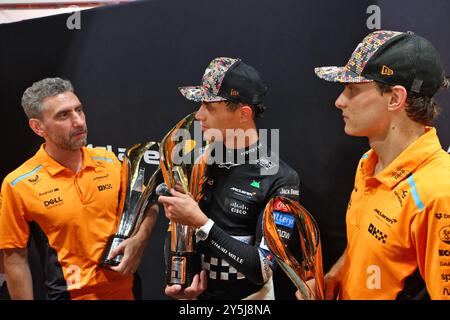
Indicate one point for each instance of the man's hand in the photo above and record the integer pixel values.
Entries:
(332, 287)
(182, 208)
(190, 293)
(311, 283)
(132, 250)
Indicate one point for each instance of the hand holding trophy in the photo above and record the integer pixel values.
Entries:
(311, 265)
(134, 198)
(183, 261)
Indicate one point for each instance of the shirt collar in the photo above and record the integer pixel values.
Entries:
(53, 167)
(406, 162)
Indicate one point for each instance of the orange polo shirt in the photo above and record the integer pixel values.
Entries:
(71, 216)
(398, 225)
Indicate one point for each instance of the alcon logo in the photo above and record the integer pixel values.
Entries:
(53, 201)
(377, 233)
(104, 187)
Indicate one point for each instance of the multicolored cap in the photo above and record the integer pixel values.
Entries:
(393, 58)
(352, 71)
(228, 79)
(212, 79)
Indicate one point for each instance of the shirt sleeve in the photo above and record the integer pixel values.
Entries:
(14, 228)
(255, 260)
(430, 231)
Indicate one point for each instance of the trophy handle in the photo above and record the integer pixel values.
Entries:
(133, 199)
(309, 236)
(183, 261)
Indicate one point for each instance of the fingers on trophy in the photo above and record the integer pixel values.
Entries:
(310, 266)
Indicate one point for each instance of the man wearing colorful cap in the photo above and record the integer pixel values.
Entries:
(66, 196)
(398, 216)
(228, 219)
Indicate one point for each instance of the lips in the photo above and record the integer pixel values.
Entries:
(79, 134)
(204, 128)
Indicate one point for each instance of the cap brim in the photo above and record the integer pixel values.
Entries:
(197, 94)
(339, 74)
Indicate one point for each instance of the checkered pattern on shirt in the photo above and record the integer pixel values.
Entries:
(220, 269)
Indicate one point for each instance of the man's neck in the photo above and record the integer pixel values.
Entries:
(71, 159)
(397, 139)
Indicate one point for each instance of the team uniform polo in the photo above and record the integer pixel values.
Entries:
(398, 226)
(71, 217)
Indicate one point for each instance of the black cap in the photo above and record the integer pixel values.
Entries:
(393, 58)
(228, 79)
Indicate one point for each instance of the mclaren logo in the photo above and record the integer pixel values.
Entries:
(384, 217)
(386, 71)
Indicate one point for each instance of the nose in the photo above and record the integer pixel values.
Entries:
(200, 114)
(340, 102)
(79, 120)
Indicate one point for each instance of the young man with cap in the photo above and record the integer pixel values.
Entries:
(228, 219)
(398, 233)
(66, 196)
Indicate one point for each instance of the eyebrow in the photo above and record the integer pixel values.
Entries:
(68, 109)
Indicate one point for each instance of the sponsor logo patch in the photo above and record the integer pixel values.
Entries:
(236, 207)
(384, 217)
(280, 206)
(377, 233)
(34, 179)
(440, 215)
(53, 202)
(444, 253)
(48, 192)
(283, 219)
(444, 234)
(104, 187)
(101, 177)
(288, 192)
(242, 192)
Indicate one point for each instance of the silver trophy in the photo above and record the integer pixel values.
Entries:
(310, 266)
(134, 199)
(183, 261)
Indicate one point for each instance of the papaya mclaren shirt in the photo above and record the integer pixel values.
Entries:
(71, 217)
(398, 226)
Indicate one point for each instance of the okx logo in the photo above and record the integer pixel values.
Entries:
(377, 233)
(104, 187)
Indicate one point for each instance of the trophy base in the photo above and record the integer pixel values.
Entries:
(182, 268)
(112, 243)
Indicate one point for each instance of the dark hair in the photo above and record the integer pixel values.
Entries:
(258, 109)
(419, 108)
